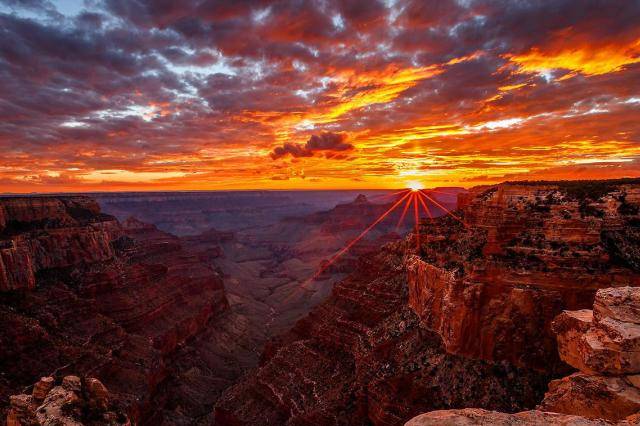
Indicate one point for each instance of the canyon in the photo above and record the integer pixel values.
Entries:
(187, 317)
(457, 316)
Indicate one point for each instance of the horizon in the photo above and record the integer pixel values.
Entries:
(631, 179)
(303, 95)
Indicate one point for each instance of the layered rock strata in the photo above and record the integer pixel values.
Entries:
(39, 233)
(362, 358)
(491, 280)
(459, 317)
(604, 345)
(84, 294)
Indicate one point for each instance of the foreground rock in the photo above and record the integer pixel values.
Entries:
(604, 345)
(605, 340)
(73, 402)
(474, 416)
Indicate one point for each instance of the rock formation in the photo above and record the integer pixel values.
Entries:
(461, 315)
(81, 293)
(73, 231)
(476, 417)
(604, 345)
(491, 281)
(73, 402)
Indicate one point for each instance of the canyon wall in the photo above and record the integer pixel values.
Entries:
(76, 233)
(491, 283)
(462, 316)
(81, 293)
(603, 344)
(362, 358)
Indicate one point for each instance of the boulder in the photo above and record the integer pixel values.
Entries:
(476, 416)
(22, 411)
(607, 341)
(593, 396)
(622, 304)
(42, 388)
(98, 394)
(72, 383)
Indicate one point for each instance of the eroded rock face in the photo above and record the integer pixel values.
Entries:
(488, 283)
(593, 396)
(604, 346)
(76, 232)
(600, 343)
(606, 341)
(80, 292)
(362, 358)
(73, 403)
(491, 283)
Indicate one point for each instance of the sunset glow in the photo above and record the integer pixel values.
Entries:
(120, 95)
(415, 186)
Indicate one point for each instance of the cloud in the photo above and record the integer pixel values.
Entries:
(427, 90)
(571, 52)
(323, 142)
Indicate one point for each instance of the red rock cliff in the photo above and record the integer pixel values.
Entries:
(39, 233)
(492, 285)
(81, 293)
(465, 321)
(603, 344)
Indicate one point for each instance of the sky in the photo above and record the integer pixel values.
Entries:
(102, 95)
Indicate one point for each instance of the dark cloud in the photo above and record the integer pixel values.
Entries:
(322, 142)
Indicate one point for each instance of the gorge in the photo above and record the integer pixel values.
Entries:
(224, 326)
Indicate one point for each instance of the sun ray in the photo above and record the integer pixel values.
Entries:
(404, 211)
(445, 209)
(416, 217)
(424, 205)
(358, 238)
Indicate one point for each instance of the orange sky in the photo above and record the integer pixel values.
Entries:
(316, 95)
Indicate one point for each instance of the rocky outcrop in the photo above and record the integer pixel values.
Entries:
(74, 402)
(604, 345)
(84, 294)
(491, 280)
(75, 233)
(606, 391)
(605, 340)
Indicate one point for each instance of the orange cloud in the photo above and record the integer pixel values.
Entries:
(588, 60)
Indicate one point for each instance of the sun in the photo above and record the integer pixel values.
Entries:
(414, 186)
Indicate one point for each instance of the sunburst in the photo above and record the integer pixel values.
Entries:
(413, 196)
